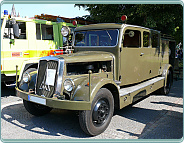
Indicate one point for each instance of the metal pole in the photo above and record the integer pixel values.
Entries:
(16, 74)
(90, 72)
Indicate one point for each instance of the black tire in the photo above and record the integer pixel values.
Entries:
(166, 89)
(36, 109)
(96, 120)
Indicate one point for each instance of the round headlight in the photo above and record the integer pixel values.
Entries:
(68, 85)
(65, 31)
(26, 77)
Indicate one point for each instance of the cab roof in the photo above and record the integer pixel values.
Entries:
(99, 26)
(108, 26)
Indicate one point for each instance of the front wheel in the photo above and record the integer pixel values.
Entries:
(96, 120)
(36, 109)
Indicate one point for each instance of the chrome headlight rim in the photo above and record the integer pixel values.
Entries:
(70, 87)
(65, 31)
(26, 77)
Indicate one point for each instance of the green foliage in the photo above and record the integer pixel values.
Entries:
(167, 18)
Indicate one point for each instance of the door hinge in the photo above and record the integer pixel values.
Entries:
(120, 49)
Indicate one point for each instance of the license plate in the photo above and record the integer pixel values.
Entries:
(37, 100)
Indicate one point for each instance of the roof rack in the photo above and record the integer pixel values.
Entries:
(53, 18)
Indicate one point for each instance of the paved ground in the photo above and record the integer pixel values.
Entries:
(155, 117)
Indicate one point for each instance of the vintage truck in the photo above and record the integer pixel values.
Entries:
(113, 65)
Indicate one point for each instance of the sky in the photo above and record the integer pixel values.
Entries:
(63, 10)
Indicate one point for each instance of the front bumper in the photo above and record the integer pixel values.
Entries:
(54, 103)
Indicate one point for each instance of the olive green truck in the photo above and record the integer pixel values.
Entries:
(113, 65)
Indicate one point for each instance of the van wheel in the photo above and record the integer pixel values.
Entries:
(96, 120)
(166, 89)
(36, 109)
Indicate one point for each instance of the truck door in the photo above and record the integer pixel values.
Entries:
(145, 59)
(14, 49)
(130, 56)
(47, 39)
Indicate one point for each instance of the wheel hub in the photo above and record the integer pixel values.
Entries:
(100, 112)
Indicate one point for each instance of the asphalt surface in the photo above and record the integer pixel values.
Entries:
(154, 117)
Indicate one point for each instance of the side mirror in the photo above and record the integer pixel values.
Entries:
(16, 30)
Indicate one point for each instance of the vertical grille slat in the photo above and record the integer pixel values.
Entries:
(41, 87)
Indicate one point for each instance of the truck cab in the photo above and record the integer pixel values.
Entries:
(113, 65)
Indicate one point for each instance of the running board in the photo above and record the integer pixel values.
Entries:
(129, 90)
(131, 94)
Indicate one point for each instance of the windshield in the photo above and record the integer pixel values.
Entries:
(96, 38)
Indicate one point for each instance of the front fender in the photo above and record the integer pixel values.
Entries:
(25, 65)
(81, 93)
(28, 87)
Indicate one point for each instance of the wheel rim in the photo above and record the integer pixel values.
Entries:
(100, 112)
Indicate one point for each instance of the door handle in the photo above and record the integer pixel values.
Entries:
(141, 54)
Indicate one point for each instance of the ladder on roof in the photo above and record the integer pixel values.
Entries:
(62, 19)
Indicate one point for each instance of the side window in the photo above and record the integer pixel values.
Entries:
(9, 30)
(154, 40)
(22, 30)
(46, 32)
(146, 39)
(132, 39)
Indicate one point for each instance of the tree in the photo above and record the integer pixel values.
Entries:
(167, 18)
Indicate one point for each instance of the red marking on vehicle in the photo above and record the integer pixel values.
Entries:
(26, 53)
(16, 54)
(58, 52)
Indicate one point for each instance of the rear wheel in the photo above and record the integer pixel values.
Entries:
(96, 120)
(36, 109)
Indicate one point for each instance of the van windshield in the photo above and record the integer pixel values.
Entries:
(96, 38)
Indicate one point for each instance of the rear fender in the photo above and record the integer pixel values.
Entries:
(166, 68)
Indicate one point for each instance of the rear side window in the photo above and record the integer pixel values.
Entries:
(132, 39)
(154, 42)
(146, 39)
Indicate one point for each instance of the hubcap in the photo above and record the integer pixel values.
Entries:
(100, 112)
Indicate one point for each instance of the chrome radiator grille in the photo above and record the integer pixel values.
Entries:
(46, 85)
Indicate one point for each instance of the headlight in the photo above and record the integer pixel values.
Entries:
(26, 77)
(65, 31)
(68, 85)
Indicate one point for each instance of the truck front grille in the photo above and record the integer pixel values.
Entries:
(43, 87)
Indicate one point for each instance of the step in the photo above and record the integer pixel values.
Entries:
(128, 90)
